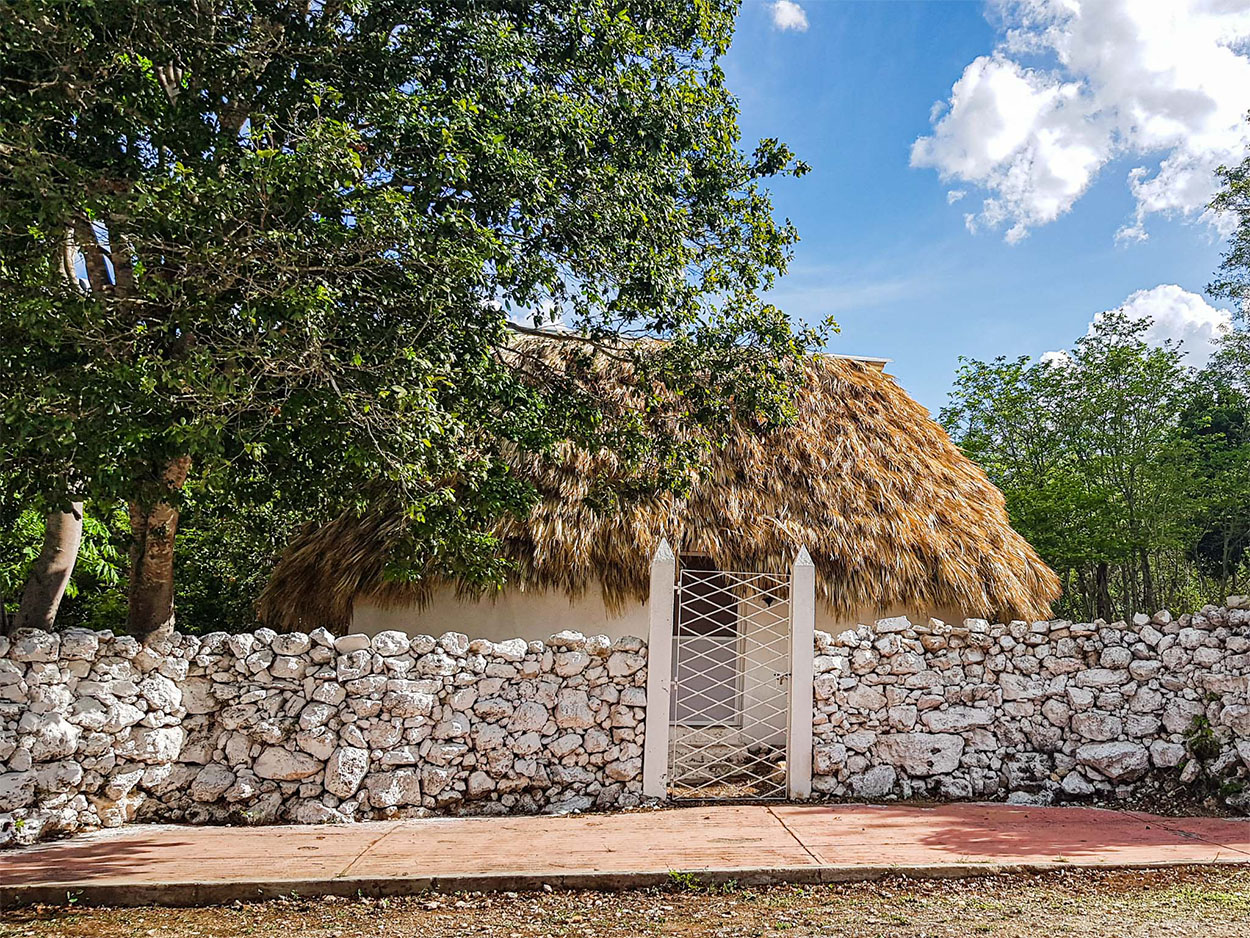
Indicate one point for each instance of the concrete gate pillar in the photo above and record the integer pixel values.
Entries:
(802, 640)
(660, 674)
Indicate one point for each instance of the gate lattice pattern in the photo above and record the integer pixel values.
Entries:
(731, 687)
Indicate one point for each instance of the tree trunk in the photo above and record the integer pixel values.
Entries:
(1103, 594)
(1147, 585)
(62, 530)
(1082, 586)
(51, 571)
(152, 529)
(1225, 562)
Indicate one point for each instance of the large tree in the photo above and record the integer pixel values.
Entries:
(276, 248)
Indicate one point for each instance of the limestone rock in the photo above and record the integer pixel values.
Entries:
(921, 754)
(877, 782)
(623, 664)
(314, 812)
(573, 710)
(284, 765)
(1167, 755)
(53, 737)
(17, 790)
(34, 645)
(1097, 725)
(480, 784)
(156, 746)
(1074, 783)
(346, 644)
(211, 783)
(956, 719)
(291, 643)
(530, 715)
(345, 770)
(1118, 761)
(161, 693)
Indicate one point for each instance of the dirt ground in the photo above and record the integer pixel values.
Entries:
(1208, 902)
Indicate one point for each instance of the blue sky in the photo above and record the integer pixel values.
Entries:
(1037, 142)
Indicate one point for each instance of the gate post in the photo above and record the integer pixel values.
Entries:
(802, 641)
(660, 673)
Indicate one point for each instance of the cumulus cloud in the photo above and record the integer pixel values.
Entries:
(1073, 86)
(1179, 315)
(1174, 313)
(789, 15)
(1059, 357)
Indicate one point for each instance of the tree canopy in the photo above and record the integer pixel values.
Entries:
(278, 249)
(1128, 472)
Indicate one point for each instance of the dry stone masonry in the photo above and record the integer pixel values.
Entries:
(98, 730)
(1033, 711)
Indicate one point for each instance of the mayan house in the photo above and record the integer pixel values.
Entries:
(896, 519)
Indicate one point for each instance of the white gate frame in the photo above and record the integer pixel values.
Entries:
(660, 674)
(802, 651)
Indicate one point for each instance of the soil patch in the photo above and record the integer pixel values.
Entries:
(1190, 902)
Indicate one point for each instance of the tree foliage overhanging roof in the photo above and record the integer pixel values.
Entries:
(304, 226)
(891, 511)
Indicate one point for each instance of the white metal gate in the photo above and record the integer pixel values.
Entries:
(731, 684)
(721, 714)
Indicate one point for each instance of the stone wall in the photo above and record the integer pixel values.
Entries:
(98, 730)
(1031, 710)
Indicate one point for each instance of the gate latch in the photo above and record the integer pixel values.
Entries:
(781, 676)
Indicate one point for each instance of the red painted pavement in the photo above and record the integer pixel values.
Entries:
(792, 841)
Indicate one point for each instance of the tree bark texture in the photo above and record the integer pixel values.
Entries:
(151, 609)
(1147, 584)
(50, 574)
(1102, 598)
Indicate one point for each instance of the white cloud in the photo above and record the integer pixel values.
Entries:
(1177, 314)
(1174, 313)
(1057, 358)
(789, 15)
(1163, 82)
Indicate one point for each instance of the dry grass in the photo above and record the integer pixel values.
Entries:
(1193, 903)
(893, 514)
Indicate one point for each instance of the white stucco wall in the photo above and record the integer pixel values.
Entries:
(533, 615)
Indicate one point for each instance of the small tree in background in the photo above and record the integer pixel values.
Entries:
(1216, 425)
(1125, 470)
(272, 248)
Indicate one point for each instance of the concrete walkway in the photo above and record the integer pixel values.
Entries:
(752, 844)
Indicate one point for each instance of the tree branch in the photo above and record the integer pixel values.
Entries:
(93, 257)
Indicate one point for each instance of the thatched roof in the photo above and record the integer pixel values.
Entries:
(893, 514)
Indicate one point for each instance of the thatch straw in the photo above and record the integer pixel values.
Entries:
(893, 514)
